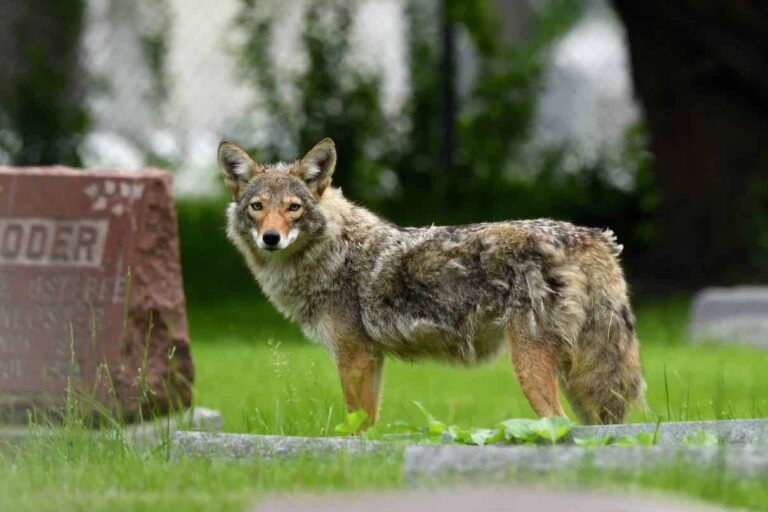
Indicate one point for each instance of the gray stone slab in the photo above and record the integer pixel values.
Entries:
(247, 446)
(737, 315)
(429, 461)
(200, 419)
(147, 433)
(244, 447)
(739, 457)
(728, 431)
(487, 500)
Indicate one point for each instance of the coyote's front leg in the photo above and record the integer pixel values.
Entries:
(360, 371)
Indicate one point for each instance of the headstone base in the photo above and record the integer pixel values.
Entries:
(198, 419)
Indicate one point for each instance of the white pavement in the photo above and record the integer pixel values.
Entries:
(485, 500)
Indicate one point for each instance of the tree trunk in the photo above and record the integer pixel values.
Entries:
(446, 162)
(41, 95)
(700, 69)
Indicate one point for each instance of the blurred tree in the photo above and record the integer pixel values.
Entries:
(333, 98)
(155, 20)
(446, 160)
(42, 114)
(493, 82)
(462, 172)
(701, 71)
(451, 148)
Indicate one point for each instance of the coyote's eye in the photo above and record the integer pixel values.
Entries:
(257, 205)
(294, 207)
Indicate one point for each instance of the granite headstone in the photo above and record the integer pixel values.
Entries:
(91, 296)
(737, 315)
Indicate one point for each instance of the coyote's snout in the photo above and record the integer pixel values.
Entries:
(275, 221)
(365, 288)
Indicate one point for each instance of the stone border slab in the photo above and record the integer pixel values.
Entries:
(244, 447)
(746, 460)
(147, 433)
(730, 316)
(425, 460)
(728, 431)
(197, 419)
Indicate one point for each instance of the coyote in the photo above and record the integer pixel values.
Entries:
(366, 288)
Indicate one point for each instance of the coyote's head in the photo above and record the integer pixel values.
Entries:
(276, 206)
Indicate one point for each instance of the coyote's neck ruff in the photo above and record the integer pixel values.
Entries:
(366, 288)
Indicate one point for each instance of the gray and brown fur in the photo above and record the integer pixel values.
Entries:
(365, 288)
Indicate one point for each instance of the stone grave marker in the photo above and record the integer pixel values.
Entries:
(91, 297)
(737, 315)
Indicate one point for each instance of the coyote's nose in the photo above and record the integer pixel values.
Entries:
(271, 238)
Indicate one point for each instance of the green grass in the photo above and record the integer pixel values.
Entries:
(270, 384)
(265, 378)
(72, 472)
(293, 389)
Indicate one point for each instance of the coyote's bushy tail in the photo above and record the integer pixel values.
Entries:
(602, 377)
(610, 238)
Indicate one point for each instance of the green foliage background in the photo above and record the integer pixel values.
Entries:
(42, 113)
(488, 181)
(391, 162)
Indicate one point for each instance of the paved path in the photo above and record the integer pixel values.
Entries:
(486, 500)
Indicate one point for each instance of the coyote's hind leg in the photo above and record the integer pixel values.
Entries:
(536, 369)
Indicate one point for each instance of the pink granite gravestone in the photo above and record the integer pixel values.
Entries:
(91, 297)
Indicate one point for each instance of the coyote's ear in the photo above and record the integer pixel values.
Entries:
(236, 166)
(316, 168)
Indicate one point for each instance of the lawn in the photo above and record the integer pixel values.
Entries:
(269, 380)
(265, 378)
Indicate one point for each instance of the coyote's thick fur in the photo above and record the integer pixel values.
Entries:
(366, 288)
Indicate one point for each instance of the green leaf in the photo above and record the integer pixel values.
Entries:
(353, 423)
(400, 427)
(647, 438)
(435, 427)
(641, 439)
(373, 433)
(552, 429)
(429, 440)
(592, 441)
(483, 436)
(455, 433)
(458, 435)
(701, 438)
(518, 430)
(475, 436)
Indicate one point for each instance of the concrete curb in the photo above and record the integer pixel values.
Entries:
(672, 433)
(424, 460)
(147, 433)
(244, 447)
(745, 460)
(743, 452)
